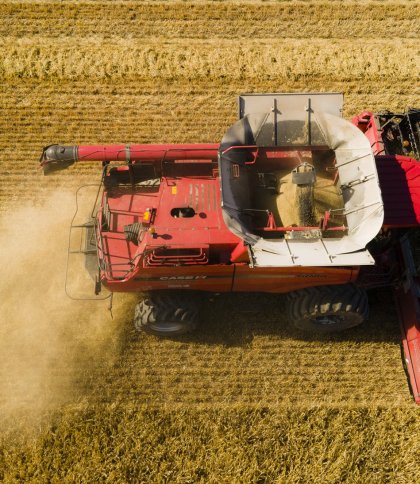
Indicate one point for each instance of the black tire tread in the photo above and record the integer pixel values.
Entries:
(166, 307)
(347, 300)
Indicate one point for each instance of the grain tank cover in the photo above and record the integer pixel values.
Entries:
(331, 214)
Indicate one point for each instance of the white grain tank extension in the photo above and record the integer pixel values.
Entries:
(281, 143)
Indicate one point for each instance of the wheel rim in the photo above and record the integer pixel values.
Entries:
(327, 319)
(167, 327)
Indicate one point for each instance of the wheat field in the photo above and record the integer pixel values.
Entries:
(247, 398)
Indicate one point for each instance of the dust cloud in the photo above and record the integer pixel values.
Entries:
(51, 347)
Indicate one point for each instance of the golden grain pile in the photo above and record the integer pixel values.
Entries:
(246, 398)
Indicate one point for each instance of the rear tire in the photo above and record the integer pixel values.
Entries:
(327, 309)
(166, 314)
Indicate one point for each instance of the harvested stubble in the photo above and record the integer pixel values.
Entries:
(246, 398)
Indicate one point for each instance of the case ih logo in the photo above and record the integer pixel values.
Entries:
(181, 278)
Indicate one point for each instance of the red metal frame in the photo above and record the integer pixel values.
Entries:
(367, 123)
(407, 301)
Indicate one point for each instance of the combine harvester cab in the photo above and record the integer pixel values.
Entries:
(294, 199)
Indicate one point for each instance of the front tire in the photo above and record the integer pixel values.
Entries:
(328, 309)
(166, 314)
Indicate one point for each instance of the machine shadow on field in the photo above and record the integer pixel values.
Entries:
(235, 319)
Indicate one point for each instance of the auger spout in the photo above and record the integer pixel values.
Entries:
(57, 157)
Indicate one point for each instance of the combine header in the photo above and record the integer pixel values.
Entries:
(294, 199)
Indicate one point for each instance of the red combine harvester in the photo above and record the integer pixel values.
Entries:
(294, 199)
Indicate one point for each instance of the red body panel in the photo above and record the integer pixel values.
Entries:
(233, 277)
(204, 236)
(286, 279)
(399, 178)
(212, 278)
